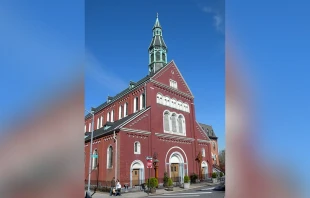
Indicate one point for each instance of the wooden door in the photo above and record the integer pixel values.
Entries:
(175, 172)
(135, 177)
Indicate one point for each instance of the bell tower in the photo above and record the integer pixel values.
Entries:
(157, 49)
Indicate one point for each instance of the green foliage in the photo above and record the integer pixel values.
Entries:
(170, 183)
(186, 179)
(221, 174)
(214, 175)
(152, 183)
(193, 177)
(166, 178)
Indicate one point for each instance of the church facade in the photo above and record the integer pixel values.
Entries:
(154, 117)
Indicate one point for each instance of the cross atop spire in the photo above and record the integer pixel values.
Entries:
(157, 24)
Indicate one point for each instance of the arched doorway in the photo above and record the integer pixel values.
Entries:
(204, 167)
(176, 167)
(136, 173)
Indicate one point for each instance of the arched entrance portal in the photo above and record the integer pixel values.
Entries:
(204, 167)
(176, 166)
(136, 173)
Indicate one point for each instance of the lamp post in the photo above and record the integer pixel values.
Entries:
(92, 112)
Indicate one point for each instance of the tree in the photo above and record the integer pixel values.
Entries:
(222, 160)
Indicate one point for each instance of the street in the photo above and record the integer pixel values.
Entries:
(203, 192)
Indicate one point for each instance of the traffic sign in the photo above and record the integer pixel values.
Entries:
(149, 163)
(95, 156)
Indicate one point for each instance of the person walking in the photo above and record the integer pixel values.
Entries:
(112, 186)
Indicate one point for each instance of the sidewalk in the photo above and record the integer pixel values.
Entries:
(139, 194)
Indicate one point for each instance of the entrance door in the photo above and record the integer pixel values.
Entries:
(175, 172)
(135, 177)
(204, 176)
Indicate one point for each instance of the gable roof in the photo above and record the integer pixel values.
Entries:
(166, 66)
(113, 125)
(208, 130)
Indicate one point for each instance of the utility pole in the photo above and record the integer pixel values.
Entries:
(91, 148)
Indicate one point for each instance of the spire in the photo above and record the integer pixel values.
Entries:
(157, 24)
(157, 49)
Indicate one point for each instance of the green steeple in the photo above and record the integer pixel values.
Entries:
(157, 49)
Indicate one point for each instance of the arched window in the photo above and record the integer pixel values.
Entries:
(108, 116)
(95, 159)
(137, 149)
(166, 121)
(174, 123)
(89, 127)
(119, 112)
(85, 128)
(142, 101)
(98, 121)
(112, 116)
(126, 109)
(164, 56)
(101, 121)
(110, 157)
(180, 123)
(203, 152)
(157, 56)
(152, 57)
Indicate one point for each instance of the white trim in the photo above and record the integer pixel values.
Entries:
(101, 121)
(203, 152)
(142, 171)
(135, 131)
(175, 136)
(205, 141)
(138, 147)
(112, 115)
(108, 155)
(98, 122)
(183, 153)
(171, 89)
(120, 112)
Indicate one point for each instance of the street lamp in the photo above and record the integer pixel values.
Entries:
(91, 147)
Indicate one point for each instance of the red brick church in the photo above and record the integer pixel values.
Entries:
(153, 117)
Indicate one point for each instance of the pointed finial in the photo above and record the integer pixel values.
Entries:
(157, 15)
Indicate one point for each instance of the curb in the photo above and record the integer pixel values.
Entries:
(174, 191)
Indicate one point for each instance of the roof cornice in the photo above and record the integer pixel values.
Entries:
(176, 137)
(137, 131)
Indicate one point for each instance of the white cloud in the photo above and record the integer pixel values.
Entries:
(98, 73)
(217, 18)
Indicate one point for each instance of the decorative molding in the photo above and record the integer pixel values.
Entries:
(175, 91)
(137, 131)
(138, 120)
(203, 141)
(174, 137)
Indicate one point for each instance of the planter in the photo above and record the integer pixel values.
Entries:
(214, 180)
(170, 188)
(186, 185)
(153, 190)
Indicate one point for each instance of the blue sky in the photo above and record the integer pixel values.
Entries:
(274, 38)
(118, 34)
